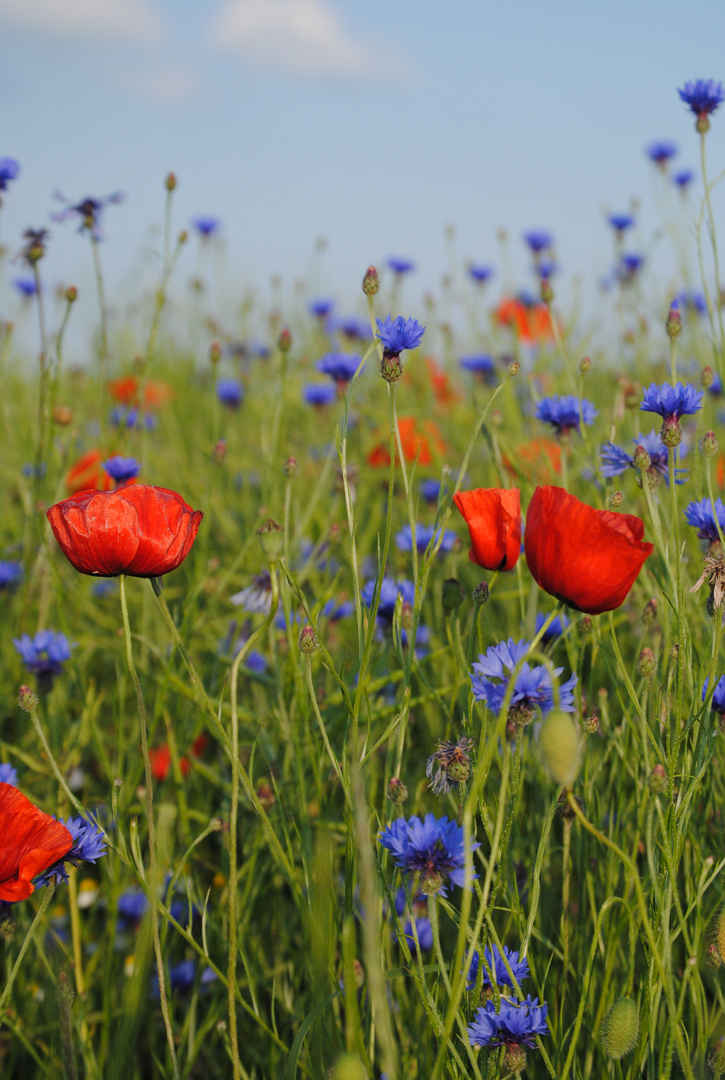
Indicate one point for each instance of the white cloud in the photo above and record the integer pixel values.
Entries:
(128, 20)
(301, 37)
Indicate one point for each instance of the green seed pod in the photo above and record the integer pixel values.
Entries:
(349, 1067)
(620, 1028)
(720, 934)
(560, 743)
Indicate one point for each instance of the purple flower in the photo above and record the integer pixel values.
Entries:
(629, 266)
(423, 928)
(131, 907)
(555, 628)
(671, 401)
(389, 590)
(423, 536)
(26, 286)
(339, 366)
(615, 460)
(396, 335)
(89, 211)
(321, 307)
(89, 844)
(430, 490)
(334, 611)
(480, 364)
(131, 418)
(495, 964)
(401, 266)
(8, 774)
(538, 240)
(566, 412)
(9, 169)
(121, 468)
(206, 226)
(433, 848)
(718, 697)
(319, 394)
(621, 222)
(181, 976)
(11, 573)
(702, 96)
(661, 151)
(230, 392)
(693, 302)
(45, 653)
(683, 178)
(700, 516)
(533, 687)
(354, 329)
(515, 1023)
(480, 273)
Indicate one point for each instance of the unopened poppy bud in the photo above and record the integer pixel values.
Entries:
(371, 281)
(271, 537)
(170, 182)
(406, 616)
(646, 664)
(284, 341)
(514, 367)
(620, 1028)
(657, 780)
(671, 432)
(674, 321)
(308, 640)
(480, 594)
(591, 725)
(710, 445)
(27, 699)
(641, 458)
(649, 612)
(397, 791)
(290, 467)
(584, 364)
(215, 352)
(452, 595)
(62, 415)
(71, 294)
(561, 748)
(390, 366)
(707, 377)
(615, 500)
(547, 293)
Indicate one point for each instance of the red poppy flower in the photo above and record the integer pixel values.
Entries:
(493, 516)
(414, 437)
(588, 558)
(160, 758)
(530, 322)
(32, 842)
(442, 389)
(538, 459)
(87, 474)
(139, 530)
(155, 394)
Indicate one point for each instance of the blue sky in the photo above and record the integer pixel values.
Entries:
(372, 124)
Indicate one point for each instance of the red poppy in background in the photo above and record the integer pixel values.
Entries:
(414, 437)
(125, 390)
(588, 558)
(493, 516)
(530, 322)
(160, 758)
(538, 459)
(140, 530)
(87, 474)
(32, 842)
(443, 391)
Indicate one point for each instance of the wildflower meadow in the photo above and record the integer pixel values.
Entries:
(363, 675)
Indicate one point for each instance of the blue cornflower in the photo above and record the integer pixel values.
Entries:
(480, 273)
(321, 307)
(89, 845)
(481, 365)
(89, 211)
(388, 595)
(563, 413)
(182, 975)
(103, 588)
(256, 598)
(718, 698)
(661, 151)
(671, 401)
(339, 366)
(396, 335)
(26, 286)
(430, 490)
(555, 629)
(9, 169)
(683, 178)
(545, 269)
(11, 573)
(515, 1023)
(495, 964)
(401, 266)
(615, 460)
(693, 302)
(423, 928)
(629, 267)
(621, 222)
(700, 515)
(353, 328)
(433, 848)
(230, 392)
(255, 661)
(334, 611)
(533, 687)
(131, 418)
(131, 907)
(206, 226)
(423, 536)
(703, 96)
(121, 468)
(319, 394)
(538, 240)
(8, 774)
(45, 653)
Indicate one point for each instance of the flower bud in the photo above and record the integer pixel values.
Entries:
(707, 377)
(674, 321)
(641, 458)
(453, 595)
(308, 640)
(290, 467)
(657, 780)
(591, 725)
(271, 537)
(646, 664)
(183, 236)
(615, 500)
(584, 364)
(397, 791)
(284, 341)
(514, 367)
(547, 293)
(371, 281)
(480, 594)
(62, 415)
(215, 352)
(710, 445)
(585, 624)
(406, 616)
(720, 934)
(391, 367)
(620, 1028)
(220, 451)
(649, 612)
(265, 794)
(712, 956)
(170, 182)
(671, 432)
(702, 124)
(514, 1058)
(27, 699)
(561, 748)
(496, 418)
(71, 294)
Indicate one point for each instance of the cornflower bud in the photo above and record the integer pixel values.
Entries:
(170, 182)
(646, 664)
(371, 281)
(710, 445)
(707, 377)
(674, 321)
(615, 499)
(71, 294)
(585, 624)
(657, 782)
(515, 1056)
(27, 699)
(480, 594)
(183, 236)
(641, 458)
(290, 467)
(514, 367)
(284, 341)
(390, 366)
(671, 432)
(591, 725)
(215, 352)
(547, 293)
(584, 364)
(397, 791)
(649, 612)
(702, 124)
(308, 640)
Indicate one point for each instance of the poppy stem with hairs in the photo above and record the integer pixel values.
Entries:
(150, 823)
(47, 897)
(30, 705)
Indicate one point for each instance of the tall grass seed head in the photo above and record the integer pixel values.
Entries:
(620, 1028)
(560, 743)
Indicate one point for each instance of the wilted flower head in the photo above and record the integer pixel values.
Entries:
(433, 848)
(565, 412)
(89, 211)
(452, 765)
(398, 334)
(533, 687)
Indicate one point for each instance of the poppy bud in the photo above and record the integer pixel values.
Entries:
(308, 640)
(493, 516)
(371, 281)
(620, 1028)
(710, 445)
(561, 748)
(140, 530)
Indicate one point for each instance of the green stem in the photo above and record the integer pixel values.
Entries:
(713, 241)
(48, 896)
(102, 305)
